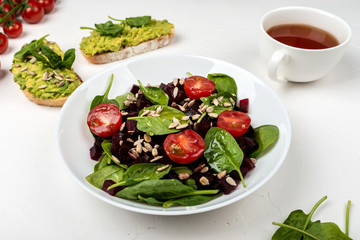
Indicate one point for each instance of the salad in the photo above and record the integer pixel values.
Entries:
(181, 143)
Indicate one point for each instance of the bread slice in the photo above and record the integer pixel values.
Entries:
(132, 50)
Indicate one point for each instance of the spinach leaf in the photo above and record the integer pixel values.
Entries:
(222, 151)
(158, 125)
(106, 146)
(107, 28)
(326, 230)
(140, 172)
(182, 169)
(105, 161)
(154, 94)
(188, 200)
(150, 200)
(53, 60)
(111, 172)
(138, 21)
(219, 106)
(265, 136)
(99, 99)
(223, 83)
(32, 46)
(121, 100)
(161, 189)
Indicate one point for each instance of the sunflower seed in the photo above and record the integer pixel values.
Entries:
(204, 108)
(209, 109)
(191, 103)
(175, 120)
(156, 146)
(42, 86)
(69, 79)
(129, 140)
(220, 98)
(221, 174)
(33, 60)
(215, 101)
(175, 81)
(127, 103)
(181, 81)
(232, 101)
(227, 104)
(182, 126)
(155, 115)
(133, 151)
(175, 92)
(144, 150)
(23, 69)
(204, 181)
(158, 109)
(181, 108)
(253, 160)
(173, 104)
(185, 118)
(154, 152)
(204, 170)
(32, 73)
(124, 113)
(115, 159)
(131, 132)
(163, 168)
(156, 158)
(146, 112)
(122, 127)
(58, 77)
(62, 83)
(138, 142)
(51, 74)
(201, 105)
(187, 99)
(148, 146)
(45, 76)
(55, 81)
(230, 181)
(195, 117)
(147, 138)
(199, 168)
(121, 142)
(183, 176)
(130, 98)
(17, 65)
(139, 148)
(173, 125)
(213, 115)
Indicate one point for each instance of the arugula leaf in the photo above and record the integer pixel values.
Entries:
(154, 94)
(108, 28)
(32, 46)
(158, 125)
(99, 99)
(265, 136)
(223, 83)
(222, 151)
(138, 21)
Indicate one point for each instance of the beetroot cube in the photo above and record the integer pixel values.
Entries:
(244, 105)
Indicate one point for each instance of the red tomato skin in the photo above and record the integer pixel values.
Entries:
(4, 43)
(197, 87)
(184, 147)
(14, 30)
(104, 119)
(35, 14)
(48, 5)
(235, 122)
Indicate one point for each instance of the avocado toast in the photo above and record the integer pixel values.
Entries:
(44, 73)
(110, 42)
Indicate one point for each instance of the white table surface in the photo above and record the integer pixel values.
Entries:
(40, 200)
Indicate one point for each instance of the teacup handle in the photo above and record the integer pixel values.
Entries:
(278, 57)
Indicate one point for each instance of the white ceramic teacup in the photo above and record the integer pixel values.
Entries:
(287, 63)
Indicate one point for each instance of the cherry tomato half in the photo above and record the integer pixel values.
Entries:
(13, 30)
(196, 87)
(184, 147)
(34, 13)
(4, 43)
(235, 122)
(104, 119)
(48, 5)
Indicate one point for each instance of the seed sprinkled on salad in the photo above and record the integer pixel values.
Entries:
(175, 141)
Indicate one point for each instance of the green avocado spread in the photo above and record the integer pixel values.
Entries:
(97, 43)
(42, 81)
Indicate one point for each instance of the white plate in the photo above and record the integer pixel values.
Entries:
(74, 140)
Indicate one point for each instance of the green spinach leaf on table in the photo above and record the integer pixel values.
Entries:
(223, 83)
(99, 99)
(154, 94)
(158, 125)
(222, 151)
(266, 136)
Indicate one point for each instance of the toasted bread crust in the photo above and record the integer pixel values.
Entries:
(58, 102)
(131, 51)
